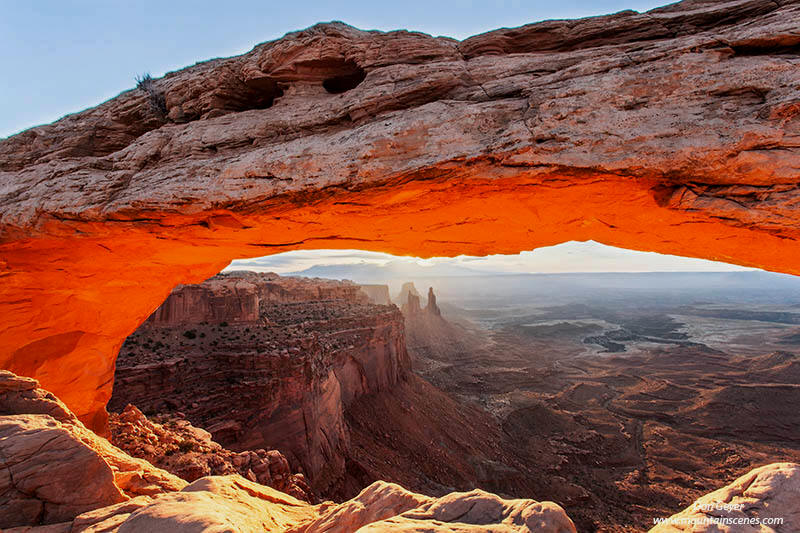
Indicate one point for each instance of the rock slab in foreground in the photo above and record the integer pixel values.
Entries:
(58, 477)
(54, 471)
(52, 468)
(768, 492)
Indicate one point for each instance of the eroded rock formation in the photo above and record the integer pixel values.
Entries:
(59, 477)
(411, 307)
(411, 303)
(431, 307)
(190, 453)
(676, 130)
(52, 468)
(408, 288)
(280, 380)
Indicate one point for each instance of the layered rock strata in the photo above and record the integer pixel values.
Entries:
(282, 381)
(239, 296)
(675, 130)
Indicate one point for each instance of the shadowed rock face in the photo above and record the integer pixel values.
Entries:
(676, 130)
(281, 377)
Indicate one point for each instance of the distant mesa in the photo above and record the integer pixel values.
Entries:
(377, 294)
(238, 296)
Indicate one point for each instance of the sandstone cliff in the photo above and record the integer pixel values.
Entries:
(237, 297)
(673, 131)
(282, 380)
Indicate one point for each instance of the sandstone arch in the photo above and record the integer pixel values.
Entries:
(675, 131)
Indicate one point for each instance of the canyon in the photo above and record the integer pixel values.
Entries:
(675, 131)
(506, 141)
(320, 374)
(521, 409)
(604, 437)
(66, 479)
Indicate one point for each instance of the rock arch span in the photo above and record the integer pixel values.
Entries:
(676, 131)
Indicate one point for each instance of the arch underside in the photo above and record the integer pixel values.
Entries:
(685, 143)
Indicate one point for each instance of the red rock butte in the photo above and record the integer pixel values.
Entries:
(675, 131)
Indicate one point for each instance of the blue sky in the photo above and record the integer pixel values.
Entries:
(59, 57)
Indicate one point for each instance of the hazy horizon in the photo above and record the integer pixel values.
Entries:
(569, 257)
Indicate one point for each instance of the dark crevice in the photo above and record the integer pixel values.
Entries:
(260, 93)
(350, 77)
(744, 95)
(766, 49)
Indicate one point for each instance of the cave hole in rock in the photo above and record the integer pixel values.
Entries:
(350, 75)
(258, 93)
(340, 367)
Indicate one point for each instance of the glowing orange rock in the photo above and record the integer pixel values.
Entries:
(677, 132)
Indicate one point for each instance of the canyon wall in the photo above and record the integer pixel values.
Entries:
(282, 380)
(189, 304)
(675, 130)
